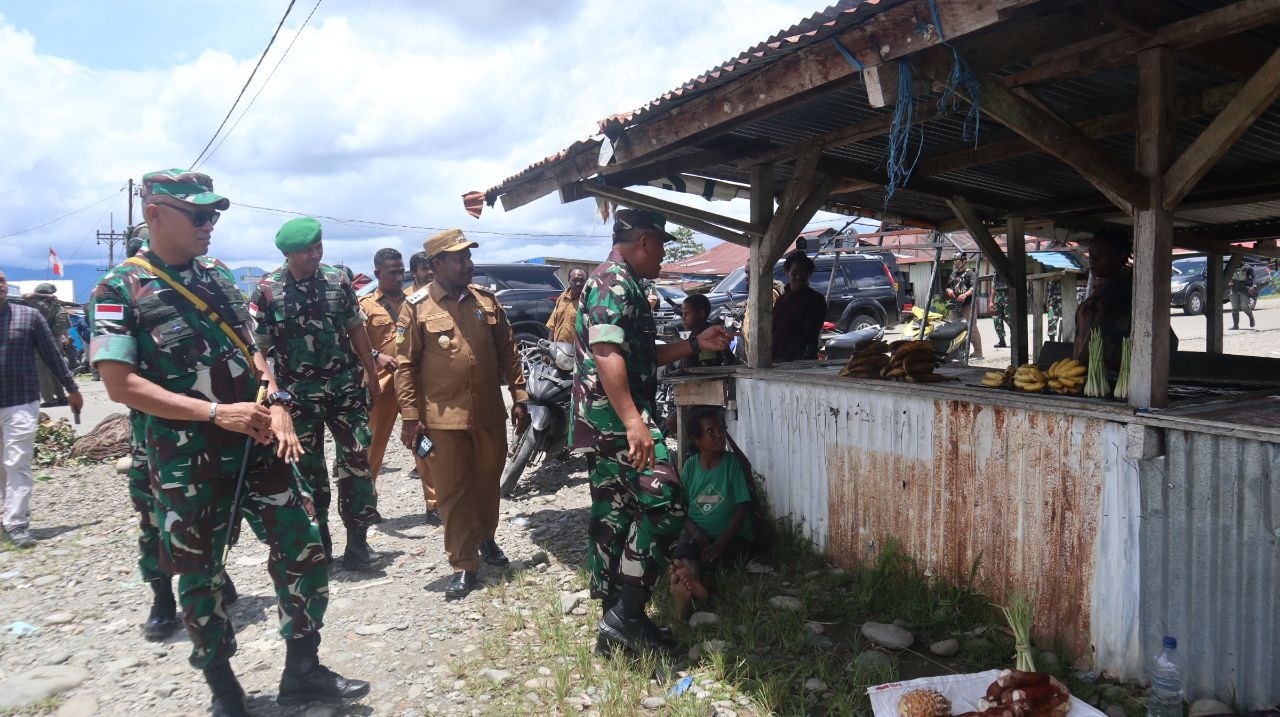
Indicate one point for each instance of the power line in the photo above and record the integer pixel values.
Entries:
(261, 57)
(263, 86)
(388, 225)
(64, 216)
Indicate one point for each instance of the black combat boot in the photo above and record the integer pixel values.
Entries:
(358, 556)
(163, 620)
(625, 625)
(228, 696)
(229, 594)
(327, 542)
(305, 680)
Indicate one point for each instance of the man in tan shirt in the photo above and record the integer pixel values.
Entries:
(564, 319)
(383, 309)
(456, 346)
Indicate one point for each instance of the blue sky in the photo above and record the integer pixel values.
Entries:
(387, 111)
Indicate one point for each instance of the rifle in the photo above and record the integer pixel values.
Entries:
(234, 518)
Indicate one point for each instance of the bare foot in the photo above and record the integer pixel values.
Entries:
(688, 577)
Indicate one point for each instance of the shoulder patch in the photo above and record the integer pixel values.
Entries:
(480, 289)
(416, 297)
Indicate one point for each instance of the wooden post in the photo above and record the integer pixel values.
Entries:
(1067, 326)
(1037, 318)
(1152, 233)
(760, 272)
(1015, 241)
(1213, 304)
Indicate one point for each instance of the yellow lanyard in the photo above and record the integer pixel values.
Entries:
(196, 301)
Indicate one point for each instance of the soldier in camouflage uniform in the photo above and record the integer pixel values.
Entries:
(1053, 301)
(193, 373)
(1000, 312)
(637, 505)
(45, 301)
(309, 320)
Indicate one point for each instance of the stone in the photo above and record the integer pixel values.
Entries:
(568, 601)
(78, 706)
(787, 602)
(1115, 711)
(125, 663)
(890, 636)
(122, 466)
(815, 628)
(57, 658)
(540, 683)
(538, 558)
(45, 581)
(813, 684)
(495, 675)
(653, 703)
(699, 619)
(873, 662)
(945, 648)
(39, 684)
(1207, 707)
(59, 618)
(375, 629)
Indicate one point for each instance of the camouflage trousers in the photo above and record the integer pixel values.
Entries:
(635, 518)
(144, 502)
(1055, 318)
(1000, 313)
(345, 412)
(193, 484)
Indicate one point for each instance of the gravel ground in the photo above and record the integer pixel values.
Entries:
(79, 587)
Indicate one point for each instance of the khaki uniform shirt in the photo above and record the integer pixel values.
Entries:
(453, 352)
(564, 318)
(383, 312)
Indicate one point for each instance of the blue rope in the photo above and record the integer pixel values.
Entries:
(962, 75)
(899, 167)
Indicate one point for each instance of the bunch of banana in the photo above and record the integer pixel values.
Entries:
(998, 379)
(1066, 377)
(1029, 378)
(912, 361)
(868, 360)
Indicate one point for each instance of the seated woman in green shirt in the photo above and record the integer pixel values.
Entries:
(719, 528)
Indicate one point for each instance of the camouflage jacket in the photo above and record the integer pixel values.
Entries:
(304, 325)
(614, 310)
(140, 320)
(53, 312)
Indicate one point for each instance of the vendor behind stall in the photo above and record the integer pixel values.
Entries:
(798, 314)
(1109, 305)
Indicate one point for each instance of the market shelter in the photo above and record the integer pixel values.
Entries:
(1129, 520)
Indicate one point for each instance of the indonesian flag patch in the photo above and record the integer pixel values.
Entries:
(108, 312)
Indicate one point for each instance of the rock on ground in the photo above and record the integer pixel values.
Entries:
(38, 684)
(945, 648)
(890, 636)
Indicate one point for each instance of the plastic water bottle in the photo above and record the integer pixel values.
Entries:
(1165, 698)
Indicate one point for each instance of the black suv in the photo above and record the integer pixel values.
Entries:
(1188, 284)
(865, 291)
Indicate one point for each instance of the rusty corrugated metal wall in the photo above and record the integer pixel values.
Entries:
(1211, 562)
(1038, 499)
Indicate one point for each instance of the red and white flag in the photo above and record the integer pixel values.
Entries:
(54, 263)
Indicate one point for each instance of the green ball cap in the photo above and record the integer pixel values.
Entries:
(297, 234)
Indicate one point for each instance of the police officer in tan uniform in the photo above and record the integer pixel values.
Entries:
(455, 347)
(382, 307)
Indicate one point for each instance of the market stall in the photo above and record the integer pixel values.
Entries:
(1128, 519)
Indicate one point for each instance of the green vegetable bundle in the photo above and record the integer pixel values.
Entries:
(1122, 383)
(1096, 386)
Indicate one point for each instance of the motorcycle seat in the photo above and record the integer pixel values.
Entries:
(847, 341)
(949, 330)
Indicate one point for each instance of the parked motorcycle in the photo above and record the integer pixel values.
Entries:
(949, 336)
(548, 371)
(840, 348)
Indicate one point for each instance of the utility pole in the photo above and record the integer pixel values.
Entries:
(111, 238)
(130, 203)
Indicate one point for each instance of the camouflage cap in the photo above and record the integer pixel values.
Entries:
(627, 219)
(447, 240)
(298, 234)
(190, 187)
(46, 288)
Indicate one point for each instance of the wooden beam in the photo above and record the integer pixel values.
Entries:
(1259, 92)
(1214, 285)
(578, 164)
(880, 37)
(1199, 104)
(715, 225)
(972, 224)
(1016, 241)
(643, 173)
(1037, 319)
(760, 270)
(1063, 141)
(1152, 233)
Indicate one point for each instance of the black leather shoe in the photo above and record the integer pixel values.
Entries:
(358, 556)
(229, 593)
(228, 706)
(461, 585)
(163, 620)
(492, 554)
(1003, 345)
(228, 696)
(318, 684)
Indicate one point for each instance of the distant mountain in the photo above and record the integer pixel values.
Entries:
(87, 276)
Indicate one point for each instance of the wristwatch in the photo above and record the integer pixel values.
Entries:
(280, 398)
(694, 348)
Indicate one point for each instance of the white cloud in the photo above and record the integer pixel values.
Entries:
(385, 111)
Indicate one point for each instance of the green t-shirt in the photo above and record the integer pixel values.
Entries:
(714, 495)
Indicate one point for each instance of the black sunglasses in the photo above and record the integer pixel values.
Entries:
(198, 217)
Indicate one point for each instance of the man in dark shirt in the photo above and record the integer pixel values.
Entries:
(798, 314)
(24, 334)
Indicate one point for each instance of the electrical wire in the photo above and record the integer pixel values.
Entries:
(264, 84)
(262, 57)
(64, 216)
(369, 223)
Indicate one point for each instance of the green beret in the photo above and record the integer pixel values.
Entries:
(297, 234)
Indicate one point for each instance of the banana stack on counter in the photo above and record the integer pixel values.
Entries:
(912, 361)
(998, 379)
(868, 360)
(1029, 378)
(1066, 377)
